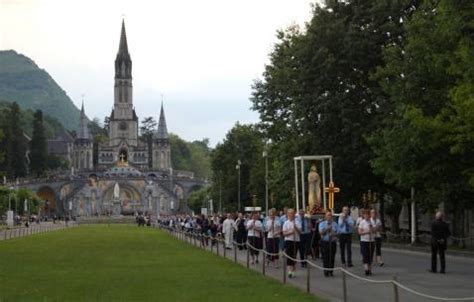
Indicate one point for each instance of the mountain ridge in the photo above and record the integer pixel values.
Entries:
(24, 82)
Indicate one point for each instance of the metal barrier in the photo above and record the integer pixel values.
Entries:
(344, 273)
(33, 229)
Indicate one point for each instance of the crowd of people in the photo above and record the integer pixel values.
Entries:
(297, 234)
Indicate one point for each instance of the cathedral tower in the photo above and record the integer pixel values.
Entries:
(82, 154)
(123, 120)
(161, 145)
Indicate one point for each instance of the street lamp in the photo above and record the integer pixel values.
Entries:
(238, 190)
(265, 155)
(9, 199)
(220, 193)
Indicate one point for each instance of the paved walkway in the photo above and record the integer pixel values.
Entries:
(410, 269)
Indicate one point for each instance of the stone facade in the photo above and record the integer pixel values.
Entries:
(123, 144)
(122, 161)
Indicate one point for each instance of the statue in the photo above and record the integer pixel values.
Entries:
(149, 202)
(116, 203)
(314, 191)
(116, 191)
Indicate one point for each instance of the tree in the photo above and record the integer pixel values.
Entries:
(106, 124)
(38, 146)
(99, 134)
(17, 199)
(318, 96)
(2, 154)
(147, 129)
(191, 156)
(244, 143)
(15, 143)
(95, 128)
(199, 199)
(427, 142)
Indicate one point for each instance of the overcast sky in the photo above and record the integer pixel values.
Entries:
(201, 55)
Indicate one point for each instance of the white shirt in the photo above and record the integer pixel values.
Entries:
(256, 230)
(364, 226)
(378, 226)
(276, 231)
(289, 226)
(359, 219)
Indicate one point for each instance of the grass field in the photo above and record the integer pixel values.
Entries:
(125, 263)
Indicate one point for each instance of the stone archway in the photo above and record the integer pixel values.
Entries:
(48, 195)
(130, 198)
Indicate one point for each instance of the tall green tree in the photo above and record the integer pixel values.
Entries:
(318, 96)
(427, 142)
(15, 143)
(147, 129)
(95, 128)
(191, 156)
(38, 146)
(3, 170)
(99, 134)
(244, 143)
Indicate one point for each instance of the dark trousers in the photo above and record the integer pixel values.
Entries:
(241, 238)
(291, 247)
(272, 248)
(367, 250)
(345, 243)
(316, 238)
(304, 245)
(436, 248)
(328, 251)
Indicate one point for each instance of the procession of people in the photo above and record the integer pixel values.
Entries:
(300, 236)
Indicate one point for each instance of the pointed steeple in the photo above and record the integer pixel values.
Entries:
(162, 132)
(123, 62)
(83, 132)
(123, 47)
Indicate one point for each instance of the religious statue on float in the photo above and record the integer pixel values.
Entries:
(314, 192)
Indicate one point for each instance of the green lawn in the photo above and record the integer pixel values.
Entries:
(125, 263)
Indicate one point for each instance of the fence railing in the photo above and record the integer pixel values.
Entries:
(197, 239)
(7, 234)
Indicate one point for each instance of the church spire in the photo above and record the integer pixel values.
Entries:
(83, 132)
(162, 132)
(123, 47)
(123, 62)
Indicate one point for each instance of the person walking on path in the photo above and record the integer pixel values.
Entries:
(228, 231)
(346, 228)
(328, 230)
(273, 226)
(305, 236)
(291, 233)
(240, 231)
(367, 241)
(254, 236)
(374, 219)
(439, 236)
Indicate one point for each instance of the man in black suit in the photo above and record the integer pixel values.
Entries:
(439, 236)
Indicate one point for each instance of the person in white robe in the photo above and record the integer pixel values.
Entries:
(228, 231)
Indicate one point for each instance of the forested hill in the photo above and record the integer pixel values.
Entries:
(22, 81)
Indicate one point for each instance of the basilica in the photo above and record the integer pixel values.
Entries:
(122, 175)
(123, 144)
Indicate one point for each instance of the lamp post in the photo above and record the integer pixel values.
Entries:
(238, 186)
(9, 199)
(265, 155)
(220, 193)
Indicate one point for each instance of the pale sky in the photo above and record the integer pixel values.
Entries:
(202, 55)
